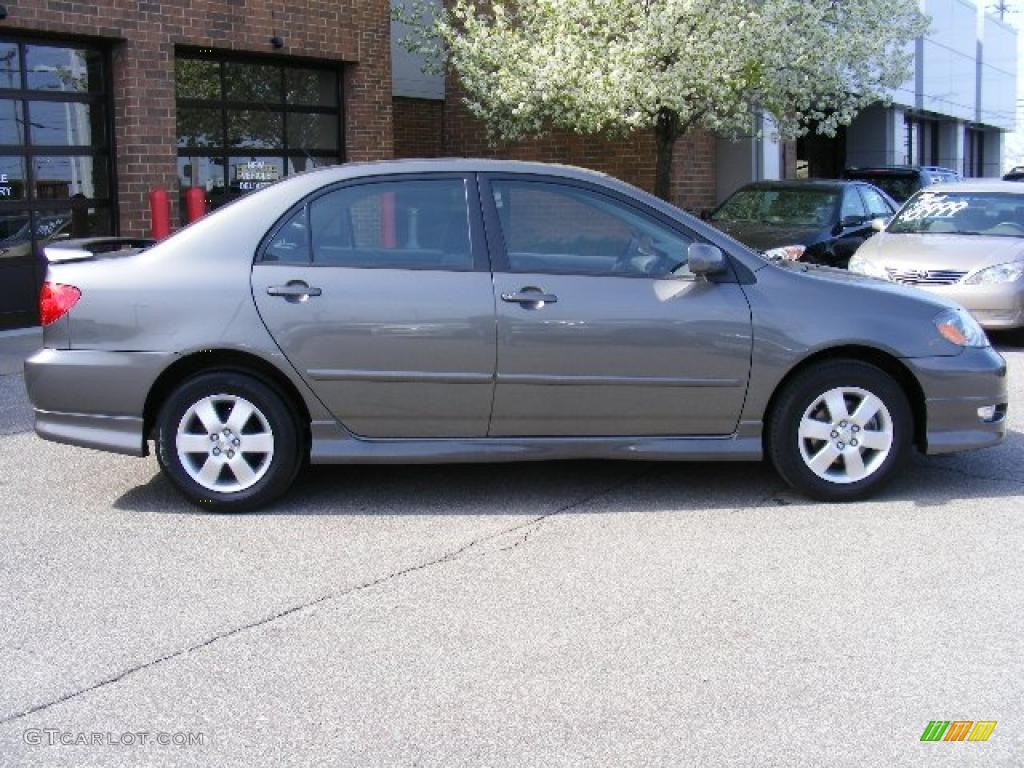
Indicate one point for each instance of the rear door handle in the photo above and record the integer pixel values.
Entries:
(529, 298)
(294, 290)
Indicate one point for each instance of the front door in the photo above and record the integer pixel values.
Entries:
(601, 329)
(380, 296)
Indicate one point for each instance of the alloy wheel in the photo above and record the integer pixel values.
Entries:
(845, 435)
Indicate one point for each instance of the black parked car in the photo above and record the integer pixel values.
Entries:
(901, 181)
(1015, 174)
(820, 221)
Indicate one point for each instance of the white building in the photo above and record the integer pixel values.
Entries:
(953, 111)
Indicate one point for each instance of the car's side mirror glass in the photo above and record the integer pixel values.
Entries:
(852, 221)
(879, 224)
(705, 259)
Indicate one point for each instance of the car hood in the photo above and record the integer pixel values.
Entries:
(963, 253)
(858, 281)
(755, 234)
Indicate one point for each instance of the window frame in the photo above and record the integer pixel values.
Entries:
(496, 235)
(222, 106)
(477, 240)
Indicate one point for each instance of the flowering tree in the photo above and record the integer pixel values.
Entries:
(620, 66)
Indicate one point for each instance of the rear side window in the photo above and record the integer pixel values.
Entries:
(393, 225)
(291, 242)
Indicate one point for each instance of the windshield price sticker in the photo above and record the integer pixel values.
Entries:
(933, 206)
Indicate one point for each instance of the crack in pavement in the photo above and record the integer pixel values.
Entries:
(447, 557)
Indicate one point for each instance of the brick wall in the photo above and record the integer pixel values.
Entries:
(418, 127)
(143, 36)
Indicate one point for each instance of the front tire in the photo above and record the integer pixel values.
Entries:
(228, 442)
(840, 430)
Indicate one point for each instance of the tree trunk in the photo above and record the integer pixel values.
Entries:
(666, 131)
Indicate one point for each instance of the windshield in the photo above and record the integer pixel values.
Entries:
(993, 214)
(897, 186)
(781, 207)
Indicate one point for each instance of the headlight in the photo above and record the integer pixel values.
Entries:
(786, 252)
(1001, 273)
(958, 327)
(863, 266)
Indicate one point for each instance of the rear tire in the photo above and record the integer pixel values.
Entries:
(840, 430)
(228, 442)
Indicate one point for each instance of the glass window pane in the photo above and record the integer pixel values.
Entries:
(255, 128)
(80, 221)
(15, 236)
(312, 131)
(852, 205)
(306, 163)
(314, 87)
(559, 229)
(247, 174)
(71, 124)
(10, 66)
(401, 225)
(200, 127)
(291, 242)
(64, 178)
(204, 172)
(55, 68)
(196, 79)
(12, 130)
(12, 178)
(252, 82)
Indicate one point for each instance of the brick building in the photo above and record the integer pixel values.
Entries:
(101, 102)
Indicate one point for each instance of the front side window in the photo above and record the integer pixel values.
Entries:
(792, 206)
(852, 205)
(553, 228)
(992, 214)
(877, 206)
(393, 225)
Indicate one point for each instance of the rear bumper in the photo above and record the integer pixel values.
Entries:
(117, 434)
(93, 398)
(954, 389)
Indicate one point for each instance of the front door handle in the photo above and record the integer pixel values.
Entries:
(529, 298)
(294, 290)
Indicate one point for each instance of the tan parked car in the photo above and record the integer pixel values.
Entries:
(962, 241)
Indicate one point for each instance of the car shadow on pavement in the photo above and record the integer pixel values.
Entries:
(595, 487)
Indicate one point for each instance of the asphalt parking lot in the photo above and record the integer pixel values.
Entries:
(507, 615)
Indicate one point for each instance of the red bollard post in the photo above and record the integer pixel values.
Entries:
(195, 204)
(159, 214)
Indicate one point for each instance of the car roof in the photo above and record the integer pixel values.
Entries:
(793, 183)
(453, 165)
(978, 185)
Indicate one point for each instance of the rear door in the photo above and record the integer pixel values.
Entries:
(596, 334)
(379, 293)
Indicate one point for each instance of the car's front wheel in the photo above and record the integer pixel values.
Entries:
(840, 430)
(228, 442)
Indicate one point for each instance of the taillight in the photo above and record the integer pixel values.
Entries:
(55, 300)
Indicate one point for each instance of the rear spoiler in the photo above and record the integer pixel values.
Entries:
(90, 247)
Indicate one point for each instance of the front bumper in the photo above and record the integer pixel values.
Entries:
(93, 398)
(996, 307)
(954, 389)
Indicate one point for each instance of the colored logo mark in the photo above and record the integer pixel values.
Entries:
(958, 730)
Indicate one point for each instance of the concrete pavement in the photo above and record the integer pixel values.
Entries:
(550, 614)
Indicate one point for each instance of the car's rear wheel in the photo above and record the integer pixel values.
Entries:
(228, 442)
(840, 430)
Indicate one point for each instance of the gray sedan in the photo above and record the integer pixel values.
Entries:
(465, 310)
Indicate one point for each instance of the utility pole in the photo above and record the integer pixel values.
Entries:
(1002, 9)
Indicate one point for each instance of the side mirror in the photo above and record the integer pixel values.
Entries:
(852, 221)
(879, 224)
(705, 213)
(705, 259)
